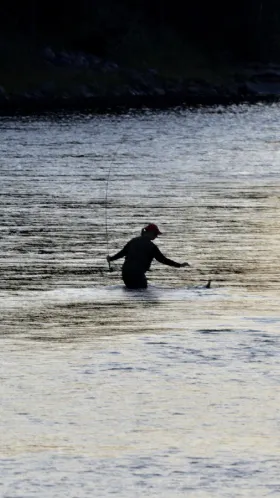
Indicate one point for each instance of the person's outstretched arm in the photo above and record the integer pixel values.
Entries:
(166, 261)
(121, 254)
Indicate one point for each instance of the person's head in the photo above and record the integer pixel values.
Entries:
(151, 231)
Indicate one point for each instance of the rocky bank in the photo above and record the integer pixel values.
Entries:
(75, 80)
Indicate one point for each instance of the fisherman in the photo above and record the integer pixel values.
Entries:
(139, 253)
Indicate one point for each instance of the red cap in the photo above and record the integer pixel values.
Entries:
(152, 228)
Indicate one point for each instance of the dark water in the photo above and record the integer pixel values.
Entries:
(168, 392)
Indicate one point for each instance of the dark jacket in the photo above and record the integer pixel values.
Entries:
(139, 254)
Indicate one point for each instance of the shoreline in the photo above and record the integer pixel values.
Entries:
(115, 104)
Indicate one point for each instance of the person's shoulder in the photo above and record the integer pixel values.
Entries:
(139, 237)
(134, 241)
(142, 241)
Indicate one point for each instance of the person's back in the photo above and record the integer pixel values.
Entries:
(140, 252)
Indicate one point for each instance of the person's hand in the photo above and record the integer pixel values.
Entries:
(185, 264)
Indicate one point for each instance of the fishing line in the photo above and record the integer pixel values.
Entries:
(107, 190)
(106, 214)
(106, 204)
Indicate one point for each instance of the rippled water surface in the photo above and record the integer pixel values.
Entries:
(168, 392)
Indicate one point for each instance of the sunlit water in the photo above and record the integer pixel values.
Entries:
(168, 392)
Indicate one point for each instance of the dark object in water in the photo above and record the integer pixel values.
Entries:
(208, 285)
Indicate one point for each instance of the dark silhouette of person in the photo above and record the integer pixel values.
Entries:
(139, 253)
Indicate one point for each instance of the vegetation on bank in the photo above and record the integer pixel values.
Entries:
(195, 40)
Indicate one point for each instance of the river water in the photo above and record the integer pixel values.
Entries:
(168, 392)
